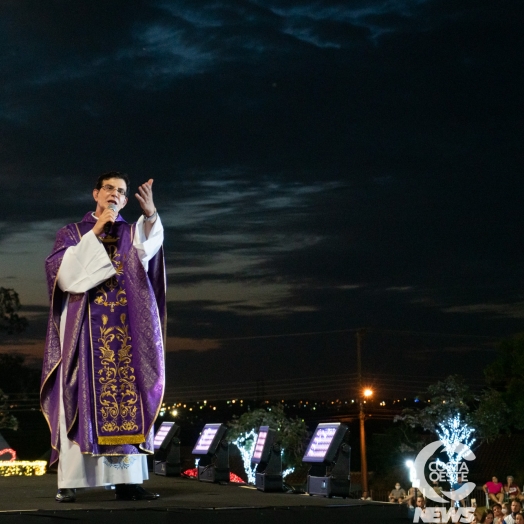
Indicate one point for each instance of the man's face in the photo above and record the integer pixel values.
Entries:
(497, 511)
(515, 506)
(510, 481)
(397, 486)
(105, 195)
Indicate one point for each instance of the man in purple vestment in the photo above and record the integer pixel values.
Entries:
(103, 369)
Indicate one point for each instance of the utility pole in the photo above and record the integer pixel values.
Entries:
(361, 415)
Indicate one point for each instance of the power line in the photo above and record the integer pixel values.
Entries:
(300, 334)
(387, 380)
(354, 330)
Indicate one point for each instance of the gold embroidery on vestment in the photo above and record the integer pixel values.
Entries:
(102, 299)
(112, 283)
(118, 395)
(113, 441)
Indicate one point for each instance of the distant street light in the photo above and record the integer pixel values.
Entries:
(363, 455)
(362, 393)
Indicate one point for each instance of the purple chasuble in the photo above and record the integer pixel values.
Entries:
(112, 360)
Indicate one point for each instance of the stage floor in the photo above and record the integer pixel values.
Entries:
(193, 502)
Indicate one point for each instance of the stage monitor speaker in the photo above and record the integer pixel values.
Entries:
(167, 450)
(213, 451)
(268, 457)
(329, 456)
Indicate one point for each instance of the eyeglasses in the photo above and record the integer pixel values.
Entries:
(109, 188)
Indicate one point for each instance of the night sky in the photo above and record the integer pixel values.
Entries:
(319, 167)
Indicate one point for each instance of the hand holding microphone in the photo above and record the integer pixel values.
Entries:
(109, 223)
(106, 220)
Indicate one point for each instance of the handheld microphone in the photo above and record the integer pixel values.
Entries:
(107, 225)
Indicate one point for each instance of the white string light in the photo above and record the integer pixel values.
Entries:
(454, 431)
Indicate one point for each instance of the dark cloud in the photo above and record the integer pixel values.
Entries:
(316, 163)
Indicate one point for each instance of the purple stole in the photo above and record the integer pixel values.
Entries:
(112, 360)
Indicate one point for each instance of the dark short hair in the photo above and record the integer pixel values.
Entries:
(495, 505)
(113, 174)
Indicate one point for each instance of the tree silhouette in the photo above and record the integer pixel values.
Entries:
(485, 412)
(17, 378)
(6, 419)
(506, 377)
(10, 322)
(290, 432)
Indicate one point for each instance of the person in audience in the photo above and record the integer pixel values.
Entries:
(456, 486)
(365, 496)
(437, 487)
(494, 490)
(398, 494)
(519, 518)
(516, 507)
(411, 498)
(497, 513)
(438, 490)
(421, 503)
(488, 517)
(511, 490)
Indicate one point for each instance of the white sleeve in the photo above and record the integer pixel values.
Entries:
(148, 247)
(85, 265)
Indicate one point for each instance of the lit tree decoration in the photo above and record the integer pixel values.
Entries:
(245, 444)
(290, 436)
(453, 432)
(287, 471)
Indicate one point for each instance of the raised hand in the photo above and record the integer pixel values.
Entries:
(145, 198)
